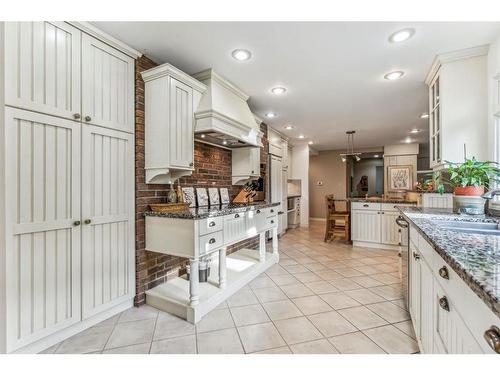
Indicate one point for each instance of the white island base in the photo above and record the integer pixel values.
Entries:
(242, 267)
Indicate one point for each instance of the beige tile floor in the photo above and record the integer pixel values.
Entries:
(320, 298)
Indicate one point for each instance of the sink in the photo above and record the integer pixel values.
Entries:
(470, 227)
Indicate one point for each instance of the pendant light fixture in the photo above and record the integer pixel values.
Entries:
(350, 147)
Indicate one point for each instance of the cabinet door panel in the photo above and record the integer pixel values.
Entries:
(107, 86)
(365, 225)
(181, 125)
(42, 63)
(390, 230)
(234, 228)
(414, 300)
(108, 202)
(426, 307)
(43, 246)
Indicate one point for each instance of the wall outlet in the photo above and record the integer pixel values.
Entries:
(319, 183)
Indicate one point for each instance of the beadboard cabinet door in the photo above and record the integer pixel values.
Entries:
(389, 228)
(415, 288)
(43, 235)
(427, 306)
(366, 225)
(181, 125)
(107, 218)
(107, 86)
(42, 63)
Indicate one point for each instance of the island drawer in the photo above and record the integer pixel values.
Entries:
(210, 224)
(272, 222)
(365, 206)
(210, 242)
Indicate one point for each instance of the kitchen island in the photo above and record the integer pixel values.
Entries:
(454, 273)
(200, 233)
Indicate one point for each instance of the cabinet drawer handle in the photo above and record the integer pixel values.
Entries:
(76, 116)
(416, 256)
(272, 211)
(492, 337)
(211, 224)
(211, 241)
(236, 216)
(443, 302)
(366, 205)
(258, 211)
(443, 272)
(272, 221)
(76, 223)
(191, 164)
(88, 118)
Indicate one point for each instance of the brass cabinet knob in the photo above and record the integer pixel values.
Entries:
(76, 116)
(443, 272)
(492, 337)
(88, 118)
(87, 221)
(76, 223)
(211, 241)
(443, 302)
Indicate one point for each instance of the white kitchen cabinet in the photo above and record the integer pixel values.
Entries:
(275, 142)
(414, 290)
(388, 228)
(42, 63)
(171, 98)
(366, 226)
(427, 305)
(107, 86)
(234, 227)
(43, 235)
(458, 110)
(245, 164)
(108, 218)
(284, 151)
(436, 200)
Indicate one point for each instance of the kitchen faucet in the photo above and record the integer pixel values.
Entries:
(489, 196)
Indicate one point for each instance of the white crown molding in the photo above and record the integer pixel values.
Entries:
(170, 70)
(445, 58)
(211, 74)
(105, 38)
(283, 136)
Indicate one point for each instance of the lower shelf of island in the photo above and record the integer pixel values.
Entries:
(242, 267)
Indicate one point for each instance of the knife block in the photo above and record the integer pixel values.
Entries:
(243, 197)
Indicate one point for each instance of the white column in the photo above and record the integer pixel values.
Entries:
(222, 268)
(194, 285)
(262, 247)
(275, 241)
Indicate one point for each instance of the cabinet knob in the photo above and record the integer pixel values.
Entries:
(76, 223)
(443, 302)
(253, 172)
(382, 212)
(191, 164)
(87, 221)
(88, 118)
(443, 272)
(236, 216)
(211, 241)
(211, 224)
(272, 221)
(272, 211)
(366, 205)
(76, 116)
(492, 337)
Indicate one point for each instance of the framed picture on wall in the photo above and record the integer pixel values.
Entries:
(399, 178)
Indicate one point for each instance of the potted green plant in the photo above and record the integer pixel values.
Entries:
(470, 180)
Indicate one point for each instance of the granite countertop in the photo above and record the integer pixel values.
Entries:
(196, 213)
(474, 257)
(381, 200)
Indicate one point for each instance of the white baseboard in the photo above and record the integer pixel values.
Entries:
(376, 245)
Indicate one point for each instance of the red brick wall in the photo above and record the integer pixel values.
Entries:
(212, 168)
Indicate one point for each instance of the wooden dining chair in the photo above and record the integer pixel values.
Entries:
(337, 221)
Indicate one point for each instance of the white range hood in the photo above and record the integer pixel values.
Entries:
(223, 117)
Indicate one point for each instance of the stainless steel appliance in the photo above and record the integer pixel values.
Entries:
(293, 212)
(404, 243)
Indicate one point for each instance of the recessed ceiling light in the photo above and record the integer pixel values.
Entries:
(415, 131)
(289, 127)
(202, 136)
(394, 75)
(310, 142)
(401, 35)
(278, 90)
(224, 142)
(301, 136)
(407, 140)
(241, 54)
(376, 156)
(271, 115)
(424, 115)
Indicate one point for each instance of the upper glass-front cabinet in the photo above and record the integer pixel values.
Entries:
(434, 122)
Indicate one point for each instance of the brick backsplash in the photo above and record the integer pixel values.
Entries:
(212, 168)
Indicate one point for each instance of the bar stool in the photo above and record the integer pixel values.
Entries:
(333, 217)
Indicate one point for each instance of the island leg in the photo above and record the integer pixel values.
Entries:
(262, 247)
(194, 285)
(275, 241)
(222, 268)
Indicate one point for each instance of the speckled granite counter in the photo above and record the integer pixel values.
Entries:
(381, 200)
(212, 211)
(474, 257)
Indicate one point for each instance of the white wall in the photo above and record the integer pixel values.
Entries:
(493, 79)
(300, 170)
(3, 273)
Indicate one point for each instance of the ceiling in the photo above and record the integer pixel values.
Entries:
(333, 71)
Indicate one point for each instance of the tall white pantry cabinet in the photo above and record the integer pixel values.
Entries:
(67, 160)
